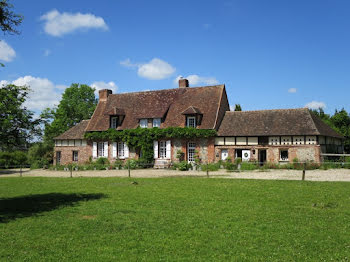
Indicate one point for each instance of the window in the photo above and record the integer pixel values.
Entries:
(191, 121)
(121, 149)
(100, 149)
(75, 156)
(143, 123)
(58, 157)
(156, 122)
(284, 155)
(162, 149)
(114, 122)
(191, 148)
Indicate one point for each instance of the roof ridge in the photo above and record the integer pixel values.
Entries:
(262, 110)
(160, 90)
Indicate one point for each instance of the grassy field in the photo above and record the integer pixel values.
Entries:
(191, 219)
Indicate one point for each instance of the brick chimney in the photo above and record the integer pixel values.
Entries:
(103, 94)
(183, 83)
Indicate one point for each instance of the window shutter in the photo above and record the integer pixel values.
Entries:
(105, 153)
(155, 149)
(114, 149)
(126, 150)
(168, 149)
(94, 150)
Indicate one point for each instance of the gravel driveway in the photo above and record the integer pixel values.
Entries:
(312, 175)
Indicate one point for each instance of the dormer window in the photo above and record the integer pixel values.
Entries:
(143, 123)
(191, 121)
(193, 117)
(156, 122)
(114, 122)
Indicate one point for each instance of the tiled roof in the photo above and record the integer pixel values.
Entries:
(191, 111)
(166, 104)
(274, 123)
(76, 132)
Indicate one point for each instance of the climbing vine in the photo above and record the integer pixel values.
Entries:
(142, 138)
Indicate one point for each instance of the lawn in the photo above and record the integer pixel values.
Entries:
(191, 219)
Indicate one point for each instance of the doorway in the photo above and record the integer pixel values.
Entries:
(262, 156)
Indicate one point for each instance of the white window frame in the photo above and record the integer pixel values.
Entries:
(162, 149)
(114, 122)
(144, 123)
(284, 159)
(191, 151)
(156, 122)
(191, 121)
(121, 150)
(100, 149)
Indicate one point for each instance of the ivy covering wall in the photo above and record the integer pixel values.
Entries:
(142, 138)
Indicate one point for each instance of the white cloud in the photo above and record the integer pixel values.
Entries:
(58, 24)
(4, 83)
(7, 53)
(156, 69)
(103, 85)
(292, 90)
(47, 52)
(315, 105)
(198, 80)
(43, 92)
(127, 63)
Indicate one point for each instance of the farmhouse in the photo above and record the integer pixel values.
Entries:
(266, 135)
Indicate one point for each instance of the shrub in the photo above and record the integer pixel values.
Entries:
(13, 159)
(184, 166)
(180, 155)
(118, 164)
(230, 166)
(238, 160)
(102, 161)
(40, 155)
(249, 166)
(210, 167)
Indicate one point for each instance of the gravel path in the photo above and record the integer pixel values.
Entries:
(312, 175)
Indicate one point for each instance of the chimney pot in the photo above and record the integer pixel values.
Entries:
(103, 94)
(183, 83)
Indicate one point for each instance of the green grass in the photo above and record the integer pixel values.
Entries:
(188, 219)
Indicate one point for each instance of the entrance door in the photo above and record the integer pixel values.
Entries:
(58, 157)
(191, 148)
(224, 154)
(262, 156)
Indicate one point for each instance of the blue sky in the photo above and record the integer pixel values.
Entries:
(269, 54)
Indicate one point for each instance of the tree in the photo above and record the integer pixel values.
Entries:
(8, 19)
(340, 122)
(17, 125)
(78, 103)
(238, 107)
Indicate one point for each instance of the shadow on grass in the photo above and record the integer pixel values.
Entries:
(12, 171)
(31, 205)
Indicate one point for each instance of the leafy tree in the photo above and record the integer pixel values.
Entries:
(238, 107)
(17, 125)
(8, 19)
(78, 103)
(340, 121)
